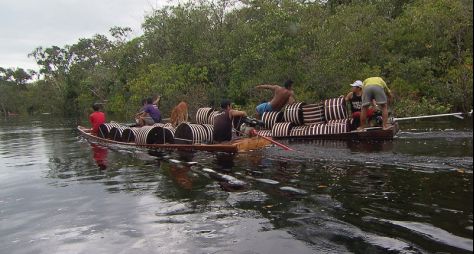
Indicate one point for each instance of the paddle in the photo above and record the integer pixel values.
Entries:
(254, 132)
(458, 115)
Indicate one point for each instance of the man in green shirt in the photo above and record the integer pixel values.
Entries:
(374, 88)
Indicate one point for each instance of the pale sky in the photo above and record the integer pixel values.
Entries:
(28, 24)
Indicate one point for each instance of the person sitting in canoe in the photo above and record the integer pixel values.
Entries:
(149, 114)
(354, 101)
(156, 100)
(375, 88)
(96, 119)
(281, 97)
(223, 122)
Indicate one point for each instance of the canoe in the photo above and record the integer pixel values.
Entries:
(235, 146)
(324, 120)
(371, 133)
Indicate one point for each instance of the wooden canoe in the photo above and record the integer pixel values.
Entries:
(375, 133)
(235, 146)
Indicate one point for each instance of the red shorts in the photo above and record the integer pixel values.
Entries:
(370, 113)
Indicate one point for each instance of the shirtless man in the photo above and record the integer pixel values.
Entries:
(281, 97)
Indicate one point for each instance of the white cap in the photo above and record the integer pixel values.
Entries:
(357, 83)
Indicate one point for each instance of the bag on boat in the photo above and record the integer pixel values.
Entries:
(270, 118)
(211, 117)
(317, 129)
(265, 133)
(335, 109)
(105, 128)
(294, 113)
(313, 113)
(202, 115)
(332, 127)
(188, 133)
(165, 135)
(298, 131)
(282, 129)
(116, 133)
(339, 126)
(148, 135)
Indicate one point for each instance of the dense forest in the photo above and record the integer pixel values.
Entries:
(203, 51)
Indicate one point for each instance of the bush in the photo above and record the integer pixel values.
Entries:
(415, 107)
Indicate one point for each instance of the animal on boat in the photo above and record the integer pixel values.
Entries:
(179, 114)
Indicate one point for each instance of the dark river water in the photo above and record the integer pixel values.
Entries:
(60, 194)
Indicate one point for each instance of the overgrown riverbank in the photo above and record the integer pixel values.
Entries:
(203, 52)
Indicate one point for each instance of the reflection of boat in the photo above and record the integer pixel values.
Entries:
(235, 146)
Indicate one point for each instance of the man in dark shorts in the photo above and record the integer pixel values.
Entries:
(374, 88)
(281, 97)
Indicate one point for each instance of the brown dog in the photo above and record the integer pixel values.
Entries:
(179, 114)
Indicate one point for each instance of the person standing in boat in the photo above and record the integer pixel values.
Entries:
(281, 97)
(223, 122)
(96, 118)
(375, 88)
(354, 100)
(149, 114)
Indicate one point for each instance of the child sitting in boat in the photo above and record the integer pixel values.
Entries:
(96, 119)
(354, 101)
(149, 114)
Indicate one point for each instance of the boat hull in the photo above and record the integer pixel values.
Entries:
(235, 146)
(369, 134)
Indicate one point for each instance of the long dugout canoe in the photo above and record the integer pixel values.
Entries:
(235, 146)
(369, 134)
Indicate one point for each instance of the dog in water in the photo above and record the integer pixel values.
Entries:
(179, 114)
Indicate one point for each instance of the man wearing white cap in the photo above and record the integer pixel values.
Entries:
(354, 100)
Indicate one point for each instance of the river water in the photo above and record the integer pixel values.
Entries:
(60, 194)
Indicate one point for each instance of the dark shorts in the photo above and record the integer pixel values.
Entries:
(371, 92)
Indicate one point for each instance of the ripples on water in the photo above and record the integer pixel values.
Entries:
(61, 194)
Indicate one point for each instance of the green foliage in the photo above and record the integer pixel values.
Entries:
(204, 51)
(408, 106)
(174, 83)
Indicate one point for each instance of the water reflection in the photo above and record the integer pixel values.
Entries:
(100, 156)
(370, 147)
(180, 174)
(330, 197)
(351, 145)
(224, 161)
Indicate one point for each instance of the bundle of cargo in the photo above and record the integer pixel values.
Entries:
(327, 119)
